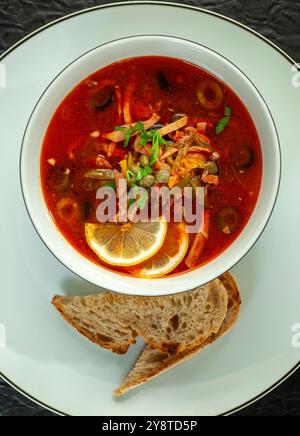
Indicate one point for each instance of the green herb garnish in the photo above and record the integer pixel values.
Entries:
(152, 136)
(131, 201)
(130, 130)
(224, 121)
(138, 174)
(145, 138)
(155, 137)
(141, 201)
(143, 172)
(130, 175)
(110, 185)
(157, 140)
(227, 111)
(146, 171)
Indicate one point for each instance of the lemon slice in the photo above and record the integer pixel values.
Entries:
(170, 255)
(126, 244)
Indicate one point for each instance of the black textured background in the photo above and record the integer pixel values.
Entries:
(278, 20)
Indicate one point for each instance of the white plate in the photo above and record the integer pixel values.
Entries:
(47, 360)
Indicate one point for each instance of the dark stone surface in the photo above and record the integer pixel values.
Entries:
(279, 20)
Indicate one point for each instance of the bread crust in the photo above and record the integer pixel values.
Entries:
(168, 361)
(115, 348)
(213, 294)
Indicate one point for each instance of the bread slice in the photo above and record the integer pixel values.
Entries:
(169, 323)
(152, 362)
(99, 326)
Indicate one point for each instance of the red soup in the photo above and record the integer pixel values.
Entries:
(152, 122)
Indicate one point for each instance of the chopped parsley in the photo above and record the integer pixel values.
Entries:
(224, 121)
(143, 172)
(152, 136)
(130, 130)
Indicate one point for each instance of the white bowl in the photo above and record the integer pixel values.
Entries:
(85, 66)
